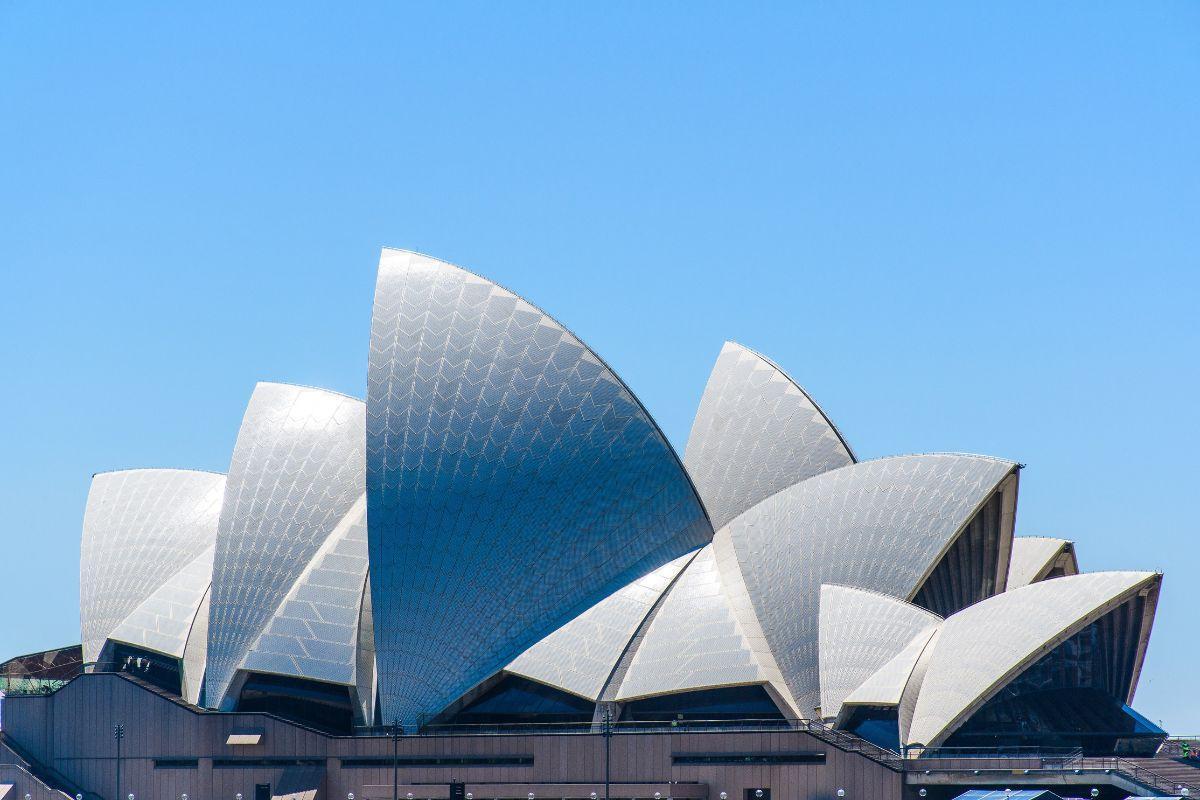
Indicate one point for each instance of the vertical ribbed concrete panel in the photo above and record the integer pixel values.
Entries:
(580, 656)
(141, 528)
(294, 494)
(860, 631)
(982, 648)
(756, 432)
(697, 640)
(1034, 558)
(513, 482)
(881, 525)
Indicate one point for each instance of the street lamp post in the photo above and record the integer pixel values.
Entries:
(395, 732)
(607, 747)
(118, 734)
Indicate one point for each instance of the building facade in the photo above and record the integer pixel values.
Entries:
(500, 537)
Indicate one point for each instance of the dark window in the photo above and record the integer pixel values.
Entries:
(1073, 697)
(262, 791)
(757, 794)
(314, 704)
(176, 763)
(737, 703)
(879, 726)
(516, 700)
(245, 763)
(154, 668)
(440, 761)
(692, 759)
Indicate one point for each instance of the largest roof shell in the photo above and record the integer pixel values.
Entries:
(294, 493)
(881, 525)
(141, 528)
(756, 432)
(513, 481)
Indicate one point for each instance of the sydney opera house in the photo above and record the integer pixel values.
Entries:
(495, 578)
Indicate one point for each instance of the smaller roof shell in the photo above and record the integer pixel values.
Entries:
(885, 687)
(982, 648)
(579, 657)
(1034, 557)
(704, 635)
(147, 540)
(290, 562)
(860, 632)
(882, 525)
(756, 432)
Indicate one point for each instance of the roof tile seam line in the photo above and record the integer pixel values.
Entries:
(1065, 634)
(291, 385)
(939, 619)
(630, 650)
(337, 533)
(607, 367)
(833, 426)
(121, 470)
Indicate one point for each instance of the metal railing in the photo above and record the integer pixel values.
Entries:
(839, 739)
(1016, 751)
(1132, 770)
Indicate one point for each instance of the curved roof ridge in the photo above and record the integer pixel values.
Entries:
(159, 469)
(637, 400)
(293, 478)
(828, 420)
(853, 525)
(531, 403)
(291, 385)
(985, 646)
(893, 598)
(859, 632)
(871, 461)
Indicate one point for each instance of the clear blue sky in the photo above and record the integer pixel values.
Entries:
(969, 227)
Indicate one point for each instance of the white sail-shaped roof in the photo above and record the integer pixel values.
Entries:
(290, 568)
(513, 482)
(983, 647)
(165, 622)
(146, 533)
(860, 632)
(756, 432)
(580, 656)
(701, 637)
(885, 687)
(881, 525)
(1035, 557)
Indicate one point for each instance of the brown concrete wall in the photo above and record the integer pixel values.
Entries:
(71, 731)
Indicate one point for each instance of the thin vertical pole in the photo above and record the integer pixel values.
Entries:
(607, 746)
(119, 734)
(395, 760)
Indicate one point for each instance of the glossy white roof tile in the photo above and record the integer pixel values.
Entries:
(756, 432)
(860, 632)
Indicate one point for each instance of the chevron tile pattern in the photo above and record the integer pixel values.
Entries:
(513, 482)
(860, 631)
(297, 473)
(141, 527)
(880, 525)
(756, 432)
(580, 656)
